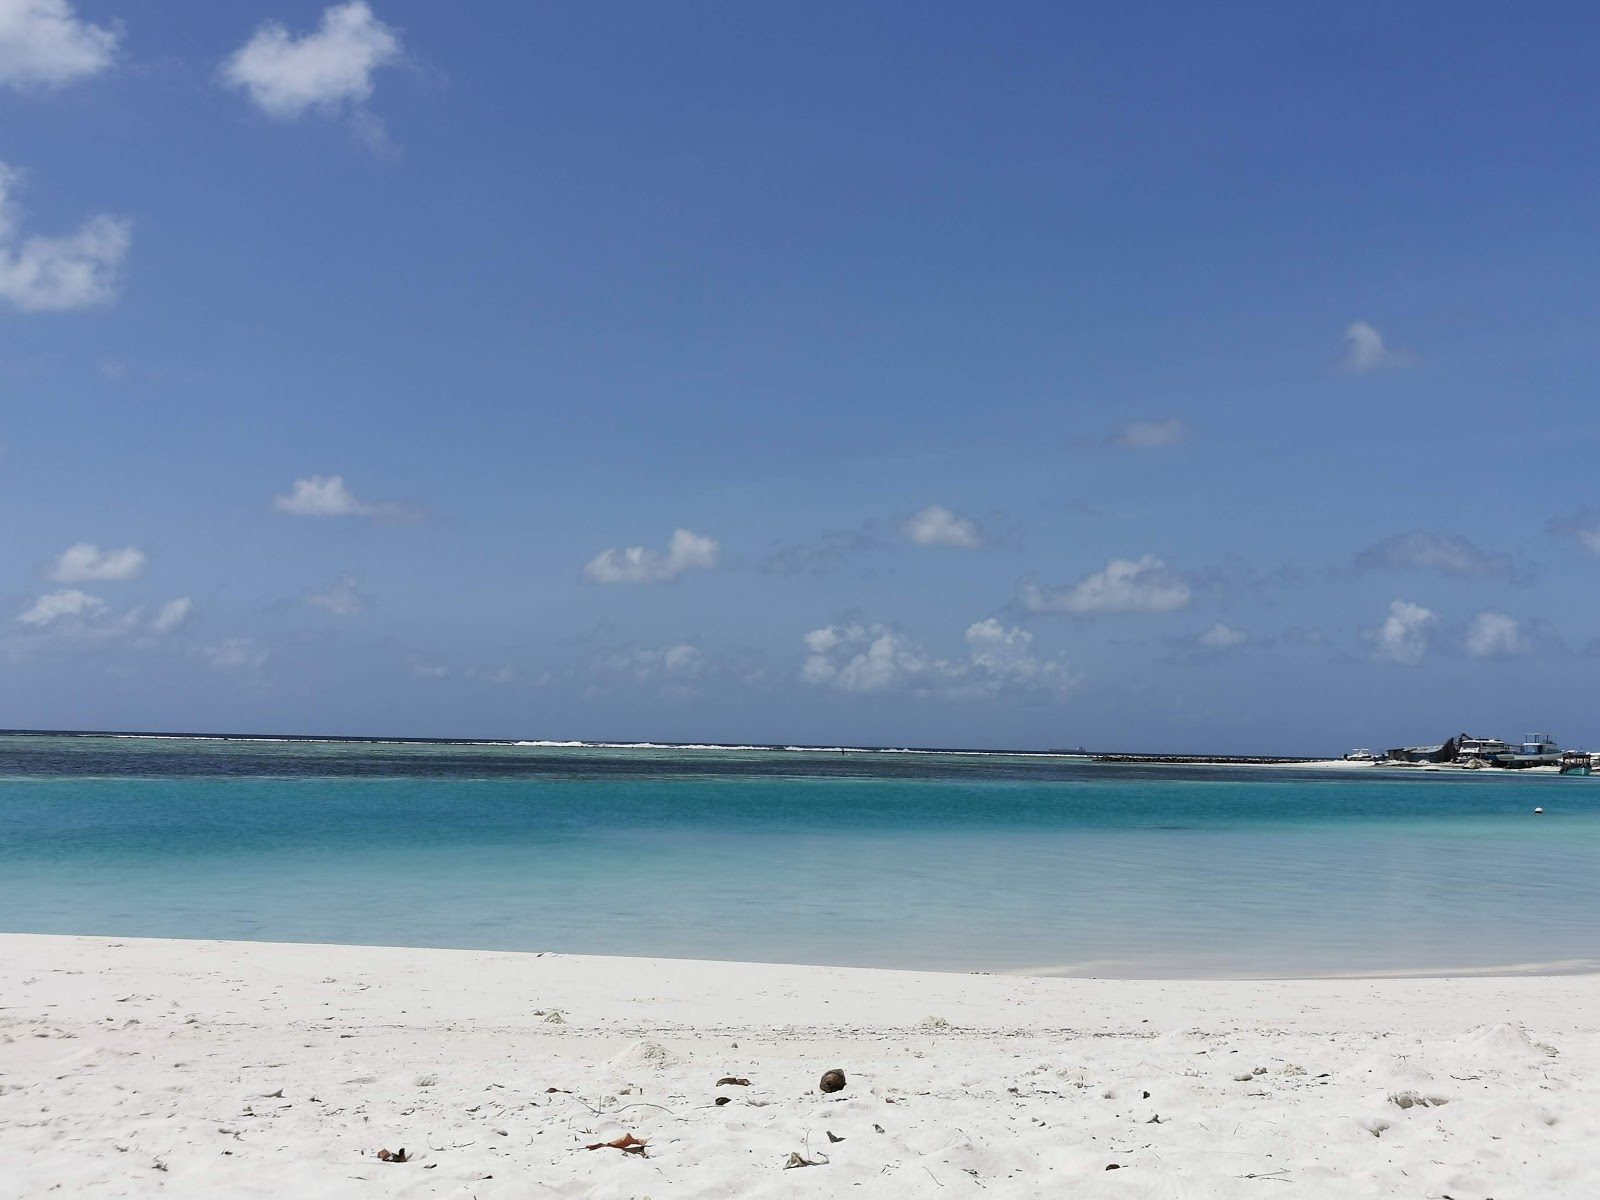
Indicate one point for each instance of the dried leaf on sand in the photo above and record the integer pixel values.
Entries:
(627, 1143)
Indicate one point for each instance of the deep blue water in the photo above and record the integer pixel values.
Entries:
(948, 861)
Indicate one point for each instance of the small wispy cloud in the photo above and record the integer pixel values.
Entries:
(676, 669)
(638, 564)
(342, 597)
(58, 274)
(328, 71)
(1365, 350)
(85, 562)
(1222, 637)
(44, 43)
(73, 615)
(826, 554)
(1444, 553)
(1583, 528)
(1403, 637)
(327, 496)
(1151, 434)
(937, 525)
(54, 606)
(236, 654)
(1142, 585)
(171, 615)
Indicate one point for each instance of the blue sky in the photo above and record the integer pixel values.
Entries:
(1150, 376)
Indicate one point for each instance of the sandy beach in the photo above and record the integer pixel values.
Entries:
(147, 1067)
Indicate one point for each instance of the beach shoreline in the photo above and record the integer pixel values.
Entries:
(150, 1066)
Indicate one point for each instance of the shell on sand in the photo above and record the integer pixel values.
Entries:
(832, 1081)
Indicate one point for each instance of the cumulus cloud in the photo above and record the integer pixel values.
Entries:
(1222, 637)
(327, 71)
(1143, 585)
(1445, 553)
(43, 43)
(1364, 350)
(638, 564)
(327, 496)
(53, 606)
(936, 525)
(236, 654)
(1403, 636)
(342, 597)
(57, 274)
(1495, 635)
(855, 657)
(171, 614)
(1151, 435)
(85, 562)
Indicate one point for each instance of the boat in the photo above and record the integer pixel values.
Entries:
(1486, 749)
(1576, 762)
(1361, 755)
(1537, 750)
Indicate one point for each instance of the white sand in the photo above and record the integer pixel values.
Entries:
(133, 1067)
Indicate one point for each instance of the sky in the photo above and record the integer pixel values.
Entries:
(1149, 376)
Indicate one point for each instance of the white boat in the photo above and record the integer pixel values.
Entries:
(1537, 750)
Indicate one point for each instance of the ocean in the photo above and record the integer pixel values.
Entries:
(930, 860)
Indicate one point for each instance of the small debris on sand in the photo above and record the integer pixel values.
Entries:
(832, 1081)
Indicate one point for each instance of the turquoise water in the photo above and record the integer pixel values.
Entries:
(972, 862)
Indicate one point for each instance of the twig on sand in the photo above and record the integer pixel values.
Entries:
(1269, 1176)
(796, 1160)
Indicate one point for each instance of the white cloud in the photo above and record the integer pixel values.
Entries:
(73, 615)
(1124, 586)
(936, 525)
(1364, 351)
(171, 614)
(342, 597)
(327, 496)
(236, 654)
(55, 274)
(1222, 637)
(1495, 635)
(1151, 435)
(1403, 636)
(874, 658)
(85, 562)
(329, 70)
(1444, 553)
(53, 606)
(639, 564)
(44, 44)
